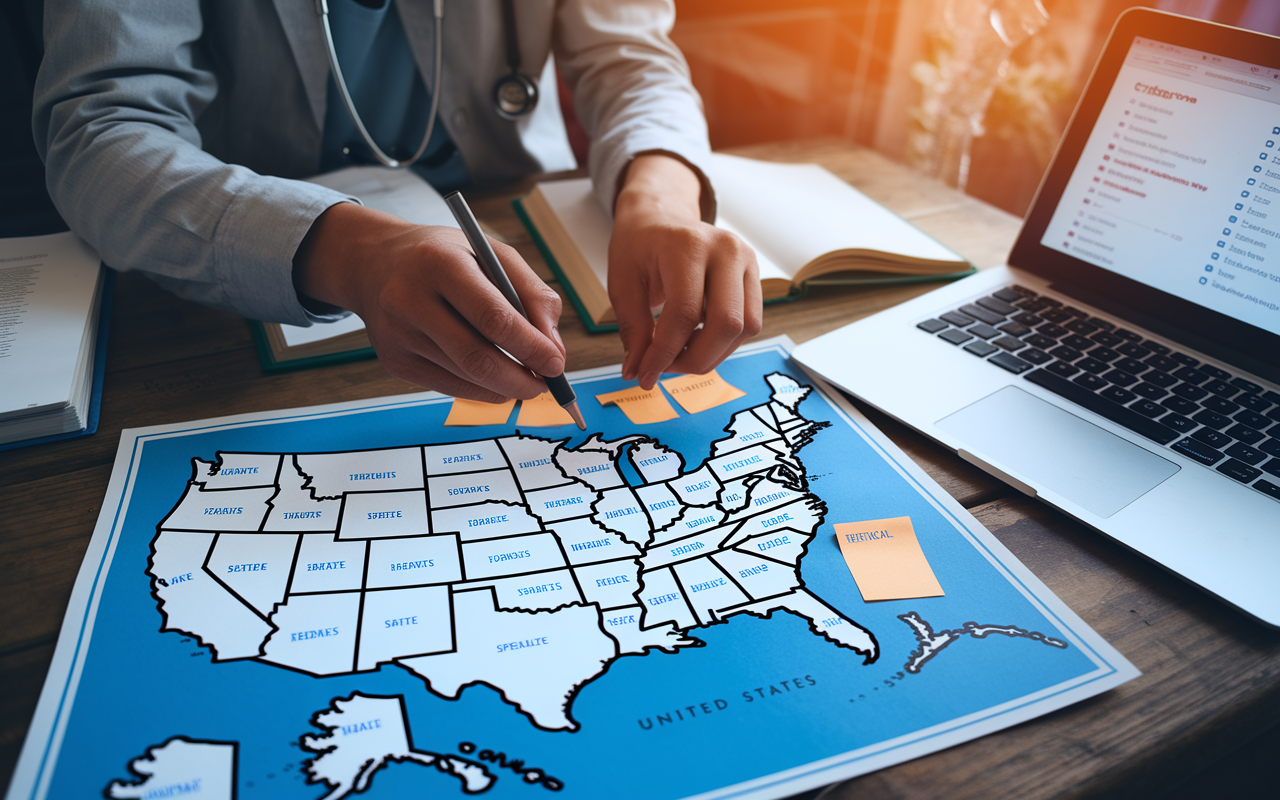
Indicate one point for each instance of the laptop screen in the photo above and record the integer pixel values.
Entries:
(1178, 184)
(1177, 125)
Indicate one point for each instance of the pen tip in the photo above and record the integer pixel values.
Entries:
(572, 408)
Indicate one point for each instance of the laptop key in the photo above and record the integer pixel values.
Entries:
(1212, 419)
(1107, 339)
(1221, 388)
(1035, 356)
(1216, 372)
(1211, 437)
(1246, 386)
(1190, 375)
(1270, 446)
(1133, 350)
(1050, 329)
(1055, 315)
(1099, 405)
(1131, 365)
(1155, 347)
(1099, 322)
(1120, 378)
(1065, 353)
(1014, 329)
(984, 331)
(954, 336)
(1080, 326)
(1089, 364)
(1009, 343)
(1027, 318)
(1104, 354)
(1267, 487)
(1075, 312)
(1253, 402)
(1010, 362)
(932, 325)
(1149, 391)
(1215, 403)
(1089, 381)
(1009, 295)
(1041, 341)
(1252, 419)
(1272, 467)
(1184, 359)
(980, 348)
(1239, 470)
(1022, 290)
(978, 312)
(1077, 341)
(1178, 422)
(1157, 361)
(1062, 369)
(957, 319)
(1273, 414)
(1117, 395)
(1245, 434)
(997, 305)
(1147, 408)
(1180, 405)
(1198, 451)
(1189, 391)
(1245, 453)
(1033, 304)
(1128, 335)
(1160, 378)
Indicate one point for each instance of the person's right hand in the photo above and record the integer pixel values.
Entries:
(432, 315)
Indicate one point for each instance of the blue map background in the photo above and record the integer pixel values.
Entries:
(140, 687)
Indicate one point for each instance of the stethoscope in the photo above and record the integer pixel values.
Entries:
(514, 94)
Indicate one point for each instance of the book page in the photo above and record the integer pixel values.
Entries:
(590, 227)
(794, 213)
(47, 291)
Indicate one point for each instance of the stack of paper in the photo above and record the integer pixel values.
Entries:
(50, 300)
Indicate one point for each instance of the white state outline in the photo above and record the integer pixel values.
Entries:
(42, 746)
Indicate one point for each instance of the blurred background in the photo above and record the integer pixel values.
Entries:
(976, 92)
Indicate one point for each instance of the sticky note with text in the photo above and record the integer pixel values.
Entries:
(886, 559)
(697, 393)
(639, 405)
(542, 412)
(465, 413)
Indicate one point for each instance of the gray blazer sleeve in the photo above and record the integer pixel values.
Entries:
(631, 89)
(116, 102)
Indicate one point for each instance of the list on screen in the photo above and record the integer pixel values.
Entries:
(1178, 185)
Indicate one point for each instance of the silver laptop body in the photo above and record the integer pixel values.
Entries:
(1125, 368)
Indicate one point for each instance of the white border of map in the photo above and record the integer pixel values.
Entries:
(41, 749)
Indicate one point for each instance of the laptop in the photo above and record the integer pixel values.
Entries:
(1125, 366)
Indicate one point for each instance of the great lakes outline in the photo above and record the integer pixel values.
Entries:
(516, 562)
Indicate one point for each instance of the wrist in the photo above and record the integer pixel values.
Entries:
(659, 184)
(334, 255)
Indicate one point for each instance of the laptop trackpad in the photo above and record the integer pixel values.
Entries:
(1037, 442)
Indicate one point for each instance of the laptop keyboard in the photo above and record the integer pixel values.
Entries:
(1214, 417)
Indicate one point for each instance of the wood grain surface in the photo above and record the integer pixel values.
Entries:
(1211, 677)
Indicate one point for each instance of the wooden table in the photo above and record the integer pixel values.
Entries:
(1211, 682)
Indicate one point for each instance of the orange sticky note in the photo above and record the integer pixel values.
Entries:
(543, 412)
(886, 560)
(472, 412)
(640, 406)
(697, 393)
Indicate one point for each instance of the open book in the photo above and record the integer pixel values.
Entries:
(806, 225)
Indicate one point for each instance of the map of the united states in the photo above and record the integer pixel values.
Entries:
(517, 562)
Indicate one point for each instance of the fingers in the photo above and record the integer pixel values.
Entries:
(540, 302)
(683, 286)
(732, 290)
(629, 291)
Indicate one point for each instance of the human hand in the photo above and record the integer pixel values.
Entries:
(661, 254)
(432, 315)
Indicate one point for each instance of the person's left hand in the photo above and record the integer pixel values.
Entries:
(663, 255)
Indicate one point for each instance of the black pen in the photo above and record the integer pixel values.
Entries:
(560, 388)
